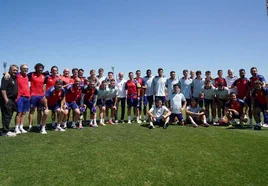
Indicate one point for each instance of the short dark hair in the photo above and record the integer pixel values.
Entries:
(39, 65)
(53, 67)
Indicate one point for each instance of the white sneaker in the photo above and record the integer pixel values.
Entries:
(43, 131)
(139, 121)
(129, 122)
(259, 124)
(94, 125)
(23, 131)
(102, 124)
(9, 134)
(265, 125)
(116, 121)
(59, 129)
(17, 131)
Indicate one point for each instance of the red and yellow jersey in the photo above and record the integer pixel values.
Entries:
(54, 96)
(242, 85)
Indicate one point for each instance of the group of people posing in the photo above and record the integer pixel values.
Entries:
(159, 100)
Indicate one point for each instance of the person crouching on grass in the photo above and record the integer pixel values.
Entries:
(234, 109)
(158, 115)
(195, 114)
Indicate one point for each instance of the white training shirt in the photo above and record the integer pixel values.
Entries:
(158, 112)
(197, 84)
(176, 102)
(222, 94)
(102, 94)
(169, 85)
(186, 85)
(148, 80)
(194, 110)
(159, 85)
(208, 93)
(111, 93)
(230, 81)
(121, 86)
(100, 79)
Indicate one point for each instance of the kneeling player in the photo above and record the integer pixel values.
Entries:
(196, 114)
(54, 102)
(158, 115)
(260, 104)
(234, 110)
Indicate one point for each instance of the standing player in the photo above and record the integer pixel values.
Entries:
(222, 94)
(192, 75)
(159, 85)
(93, 77)
(133, 96)
(169, 84)
(220, 80)
(23, 99)
(185, 84)
(102, 95)
(110, 76)
(100, 76)
(177, 105)
(111, 100)
(66, 77)
(158, 115)
(72, 93)
(121, 98)
(81, 76)
(54, 102)
(230, 79)
(89, 98)
(148, 92)
(255, 76)
(260, 103)
(141, 89)
(197, 84)
(37, 80)
(209, 96)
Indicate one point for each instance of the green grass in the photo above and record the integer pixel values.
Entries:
(134, 155)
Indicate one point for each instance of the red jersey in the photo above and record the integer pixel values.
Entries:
(23, 86)
(260, 96)
(66, 80)
(50, 81)
(242, 86)
(141, 82)
(89, 93)
(237, 105)
(82, 80)
(253, 79)
(72, 93)
(220, 80)
(37, 84)
(132, 90)
(54, 96)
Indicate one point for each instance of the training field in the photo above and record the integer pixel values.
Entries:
(127, 154)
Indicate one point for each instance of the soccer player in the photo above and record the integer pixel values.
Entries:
(111, 100)
(50, 81)
(255, 76)
(158, 115)
(209, 95)
(141, 89)
(260, 103)
(220, 79)
(89, 98)
(37, 80)
(23, 99)
(243, 91)
(192, 75)
(159, 85)
(81, 76)
(93, 77)
(169, 84)
(54, 101)
(9, 93)
(177, 105)
(196, 114)
(102, 95)
(66, 77)
(185, 84)
(235, 110)
(197, 84)
(222, 94)
(110, 76)
(230, 79)
(121, 98)
(208, 77)
(148, 92)
(72, 93)
(74, 75)
(100, 76)
(133, 96)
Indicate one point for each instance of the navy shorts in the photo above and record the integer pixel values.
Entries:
(109, 103)
(208, 102)
(89, 104)
(179, 116)
(71, 105)
(147, 99)
(159, 122)
(132, 102)
(53, 107)
(100, 103)
(36, 101)
(23, 104)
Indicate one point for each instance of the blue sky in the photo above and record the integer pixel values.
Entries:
(136, 34)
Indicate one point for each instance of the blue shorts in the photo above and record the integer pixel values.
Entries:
(100, 103)
(23, 104)
(72, 105)
(35, 101)
(162, 98)
(159, 122)
(147, 99)
(89, 104)
(132, 102)
(53, 107)
(109, 103)
(179, 116)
